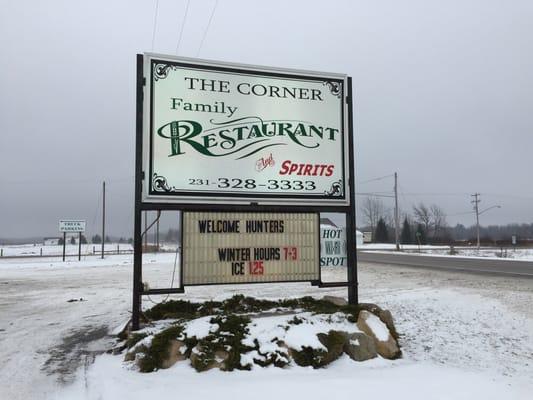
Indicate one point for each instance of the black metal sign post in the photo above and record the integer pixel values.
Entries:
(140, 206)
(64, 244)
(137, 221)
(351, 243)
(79, 247)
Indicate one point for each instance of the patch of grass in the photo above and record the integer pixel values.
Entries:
(308, 356)
(134, 339)
(227, 340)
(277, 358)
(295, 321)
(173, 309)
(334, 342)
(239, 304)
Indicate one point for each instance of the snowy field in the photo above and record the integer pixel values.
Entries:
(27, 250)
(463, 336)
(525, 254)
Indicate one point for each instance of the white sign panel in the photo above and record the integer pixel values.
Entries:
(219, 132)
(332, 246)
(69, 225)
(226, 247)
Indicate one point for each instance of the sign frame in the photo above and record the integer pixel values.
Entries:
(156, 189)
(143, 204)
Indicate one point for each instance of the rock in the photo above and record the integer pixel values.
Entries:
(370, 307)
(360, 347)
(203, 361)
(386, 345)
(338, 301)
(175, 353)
(384, 315)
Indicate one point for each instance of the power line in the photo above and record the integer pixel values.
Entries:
(60, 181)
(182, 26)
(376, 179)
(461, 213)
(155, 23)
(374, 195)
(207, 28)
(435, 194)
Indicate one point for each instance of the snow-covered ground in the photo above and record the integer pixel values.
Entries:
(485, 252)
(57, 250)
(464, 336)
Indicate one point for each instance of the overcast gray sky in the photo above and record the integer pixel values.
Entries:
(443, 96)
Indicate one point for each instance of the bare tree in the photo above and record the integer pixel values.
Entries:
(422, 215)
(372, 210)
(439, 220)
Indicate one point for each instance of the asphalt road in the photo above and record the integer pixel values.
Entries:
(465, 264)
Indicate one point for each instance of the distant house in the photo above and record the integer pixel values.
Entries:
(51, 241)
(367, 237)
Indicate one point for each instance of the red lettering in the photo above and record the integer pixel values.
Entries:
(294, 167)
(290, 168)
(307, 169)
(285, 167)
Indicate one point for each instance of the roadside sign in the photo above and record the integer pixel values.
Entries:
(231, 133)
(72, 225)
(233, 145)
(228, 247)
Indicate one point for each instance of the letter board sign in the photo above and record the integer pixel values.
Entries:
(226, 133)
(227, 247)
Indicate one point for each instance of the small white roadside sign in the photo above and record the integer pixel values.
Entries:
(72, 225)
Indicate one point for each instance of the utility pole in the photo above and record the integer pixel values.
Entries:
(475, 202)
(103, 218)
(396, 213)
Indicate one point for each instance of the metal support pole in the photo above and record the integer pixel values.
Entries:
(396, 213)
(103, 218)
(79, 247)
(137, 221)
(476, 209)
(351, 243)
(64, 244)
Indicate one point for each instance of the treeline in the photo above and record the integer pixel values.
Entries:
(427, 224)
